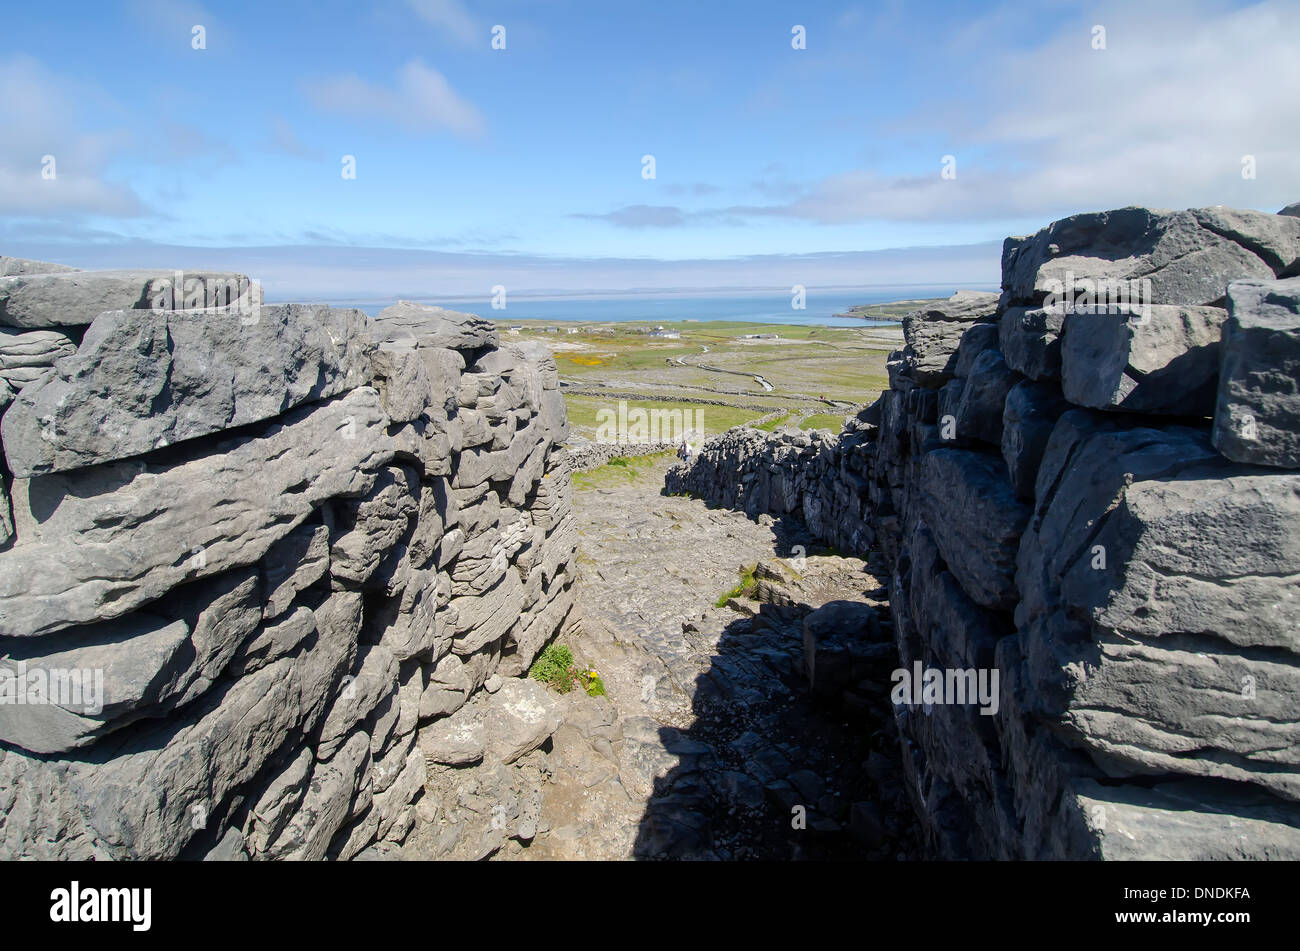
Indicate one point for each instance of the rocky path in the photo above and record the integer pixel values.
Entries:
(719, 749)
(710, 743)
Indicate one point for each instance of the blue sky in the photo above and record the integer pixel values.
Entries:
(525, 164)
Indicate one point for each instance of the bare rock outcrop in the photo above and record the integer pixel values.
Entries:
(235, 573)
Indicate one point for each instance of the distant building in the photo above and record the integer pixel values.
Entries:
(666, 334)
(552, 330)
(572, 330)
(762, 337)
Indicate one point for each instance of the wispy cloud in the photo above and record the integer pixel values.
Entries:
(284, 140)
(1163, 116)
(40, 114)
(421, 100)
(449, 17)
(173, 18)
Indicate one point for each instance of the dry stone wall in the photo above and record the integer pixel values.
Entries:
(1103, 507)
(246, 551)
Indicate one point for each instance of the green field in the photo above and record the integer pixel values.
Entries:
(583, 413)
(821, 373)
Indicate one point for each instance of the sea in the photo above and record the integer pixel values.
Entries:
(773, 307)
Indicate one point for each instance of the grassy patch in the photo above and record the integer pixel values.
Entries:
(746, 585)
(583, 412)
(771, 425)
(555, 668)
(621, 470)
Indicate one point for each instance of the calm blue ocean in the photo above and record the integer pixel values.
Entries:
(767, 307)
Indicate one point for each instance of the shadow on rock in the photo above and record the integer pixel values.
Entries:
(793, 752)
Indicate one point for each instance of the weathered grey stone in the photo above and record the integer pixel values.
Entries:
(279, 800)
(9, 267)
(977, 521)
(146, 664)
(1030, 412)
(403, 382)
(1181, 822)
(448, 688)
(976, 339)
(143, 379)
(98, 543)
(484, 618)
(1257, 416)
(454, 740)
(836, 619)
(358, 694)
(294, 563)
(526, 642)
(1168, 574)
(1030, 341)
(979, 404)
(137, 795)
(518, 718)
(409, 625)
(6, 517)
(1163, 361)
(75, 298)
(425, 326)
(24, 357)
(275, 639)
(69, 688)
(933, 335)
(367, 529)
(1188, 256)
(328, 803)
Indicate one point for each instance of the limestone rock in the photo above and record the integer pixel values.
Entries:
(143, 379)
(1163, 361)
(1030, 339)
(1030, 412)
(977, 521)
(454, 740)
(424, 326)
(983, 393)
(1257, 416)
(933, 335)
(1188, 256)
(10, 267)
(24, 357)
(100, 542)
(518, 718)
(75, 298)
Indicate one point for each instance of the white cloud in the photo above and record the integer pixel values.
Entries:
(421, 100)
(39, 113)
(451, 17)
(1161, 117)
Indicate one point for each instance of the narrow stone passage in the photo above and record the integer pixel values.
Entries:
(720, 749)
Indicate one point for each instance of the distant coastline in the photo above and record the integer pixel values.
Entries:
(837, 308)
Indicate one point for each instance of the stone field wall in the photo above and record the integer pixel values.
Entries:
(1103, 508)
(265, 544)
